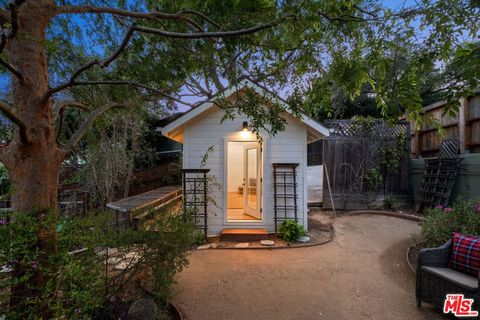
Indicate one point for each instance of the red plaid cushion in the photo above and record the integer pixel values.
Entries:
(465, 254)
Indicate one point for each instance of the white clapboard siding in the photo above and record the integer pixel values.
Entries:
(287, 146)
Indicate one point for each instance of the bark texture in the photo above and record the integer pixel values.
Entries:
(33, 158)
(33, 161)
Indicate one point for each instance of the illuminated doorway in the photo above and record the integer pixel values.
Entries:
(244, 181)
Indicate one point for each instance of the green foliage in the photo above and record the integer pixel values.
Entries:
(199, 238)
(373, 178)
(395, 68)
(6, 132)
(4, 181)
(174, 174)
(389, 202)
(393, 154)
(113, 147)
(290, 230)
(76, 281)
(440, 223)
(363, 124)
(264, 114)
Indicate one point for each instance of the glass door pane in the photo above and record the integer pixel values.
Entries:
(252, 178)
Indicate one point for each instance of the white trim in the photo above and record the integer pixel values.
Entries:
(244, 84)
(260, 222)
(305, 186)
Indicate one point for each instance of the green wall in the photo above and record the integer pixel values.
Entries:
(468, 180)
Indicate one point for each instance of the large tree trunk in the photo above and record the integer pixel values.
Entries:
(33, 163)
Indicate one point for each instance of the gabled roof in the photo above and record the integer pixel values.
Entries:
(171, 130)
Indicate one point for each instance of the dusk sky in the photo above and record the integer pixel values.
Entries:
(5, 80)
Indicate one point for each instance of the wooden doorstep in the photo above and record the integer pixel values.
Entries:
(243, 235)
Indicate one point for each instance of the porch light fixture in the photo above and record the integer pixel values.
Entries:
(245, 126)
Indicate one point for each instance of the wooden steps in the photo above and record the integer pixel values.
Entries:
(244, 235)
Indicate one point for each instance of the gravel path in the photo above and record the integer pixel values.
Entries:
(362, 274)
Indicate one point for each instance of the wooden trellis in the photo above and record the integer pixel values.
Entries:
(377, 128)
(195, 196)
(285, 197)
(439, 177)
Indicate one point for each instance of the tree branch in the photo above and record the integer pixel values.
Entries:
(371, 15)
(132, 84)
(78, 135)
(13, 20)
(201, 15)
(134, 28)
(104, 63)
(127, 13)
(118, 12)
(10, 33)
(214, 34)
(12, 116)
(59, 106)
(4, 17)
(12, 69)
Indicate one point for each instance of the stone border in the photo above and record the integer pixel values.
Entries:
(408, 260)
(387, 213)
(177, 312)
(297, 245)
(332, 230)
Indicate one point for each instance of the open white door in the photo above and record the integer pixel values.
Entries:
(253, 180)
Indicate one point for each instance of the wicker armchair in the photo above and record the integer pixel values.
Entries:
(435, 280)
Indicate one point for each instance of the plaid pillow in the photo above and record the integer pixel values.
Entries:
(465, 254)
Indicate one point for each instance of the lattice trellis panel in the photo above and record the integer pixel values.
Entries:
(285, 197)
(439, 177)
(377, 128)
(195, 196)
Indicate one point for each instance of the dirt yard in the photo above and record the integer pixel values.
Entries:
(362, 274)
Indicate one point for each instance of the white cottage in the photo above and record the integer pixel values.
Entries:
(248, 194)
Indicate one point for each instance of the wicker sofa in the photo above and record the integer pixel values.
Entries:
(435, 280)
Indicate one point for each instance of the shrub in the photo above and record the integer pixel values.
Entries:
(79, 286)
(441, 222)
(389, 202)
(199, 238)
(373, 179)
(4, 181)
(290, 230)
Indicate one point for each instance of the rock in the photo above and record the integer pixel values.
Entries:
(102, 251)
(122, 265)
(74, 252)
(114, 260)
(203, 247)
(304, 239)
(5, 269)
(213, 245)
(267, 243)
(242, 245)
(132, 257)
(143, 309)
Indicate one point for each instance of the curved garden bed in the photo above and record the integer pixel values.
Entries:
(412, 254)
(173, 310)
(395, 214)
(319, 235)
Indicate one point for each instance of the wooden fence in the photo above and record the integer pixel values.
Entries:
(465, 126)
(350, 154)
